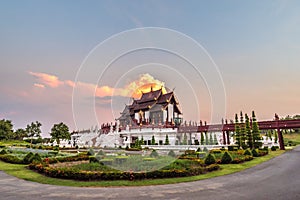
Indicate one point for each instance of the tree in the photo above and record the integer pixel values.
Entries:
(60, 131)
(202, 139)
(248, 132)
(6, 129)
(167, 140)
(153, 140)
(33, 130)
(242, 131)
(237, 131)
(255, 132)
(206, 139)
(142, 141)
(184, 142)
(215, 139)
(20, 134)
(211, 142)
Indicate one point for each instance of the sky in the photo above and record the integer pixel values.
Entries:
(52, 58)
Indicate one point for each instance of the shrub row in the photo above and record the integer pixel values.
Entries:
(78, 157)
(29, 158)
(67, 173)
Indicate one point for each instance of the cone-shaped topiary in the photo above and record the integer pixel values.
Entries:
(91, 152)
(36, 158)
(247, 153)
(28, 158)
(171, 153)
(210, 159)
(154, 153)
(3, 152)
(255, 153)
(226, 158)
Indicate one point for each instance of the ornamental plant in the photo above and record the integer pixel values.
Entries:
(210, 159)
(226, 158)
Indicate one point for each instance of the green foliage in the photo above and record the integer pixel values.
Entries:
(60, 131)
(153, 140)
(206, 139)
(248, 132)
(20, 134)
(167, 142)
(255, 153)
(247, 153)
(198, 149)
(202, 138)
(184, 141)
(33, 130)
(101, 153)
(10, 159)
(255, 132)
(36, 158)
(6, 129)
(226, 158)
(273, 148)
(154, 154)
(172, 153)
(28, 158)
(276, 137)
(210, 159)
(211, 142)
(237, 132)
(91, 152)
(3, 152)
(233, 148)
(205, 149)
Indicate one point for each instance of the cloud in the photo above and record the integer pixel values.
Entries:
(47, 79)
(38, 85)
(133, 88)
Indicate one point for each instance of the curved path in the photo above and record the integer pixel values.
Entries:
(277, 179)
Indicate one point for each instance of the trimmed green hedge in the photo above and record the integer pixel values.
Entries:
(67, 173)
(11, 159)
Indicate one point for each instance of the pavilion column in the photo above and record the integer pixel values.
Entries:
(224, 138)
(280, 137)
(228, 138)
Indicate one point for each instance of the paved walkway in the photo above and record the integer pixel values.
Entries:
(277, 179)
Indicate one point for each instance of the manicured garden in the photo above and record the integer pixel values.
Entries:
(91, 166)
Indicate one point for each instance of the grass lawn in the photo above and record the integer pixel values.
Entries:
(20, 171)
(295, 137)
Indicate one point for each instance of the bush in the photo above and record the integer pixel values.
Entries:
(255, 153)
(210, 159)
(199, 149)
(154, 154)
(93, 159)
(215, 151)
(91, 152)
(201, 154)
(3, 152)
(28, 158)
(247, 152)
(232, 148)
(36, 158)
(205, 149)
(172, 154)
(100, 153)
(10, 159)
(273, 148)
(226, 158)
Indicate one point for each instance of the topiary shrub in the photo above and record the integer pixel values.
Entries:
(255, 153)
(28, 158)
(205, 149)
(91, 152)
(100, 153)
(210, 159)
(199, 149)
(226, 158)
(273, 148)
(154, 154)
(247, 152)
(3, 152)
(36, 158)
(172, 154)
(93, 159)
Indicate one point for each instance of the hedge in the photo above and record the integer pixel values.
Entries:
(67, 173)
(78, 157)
(11, 159)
